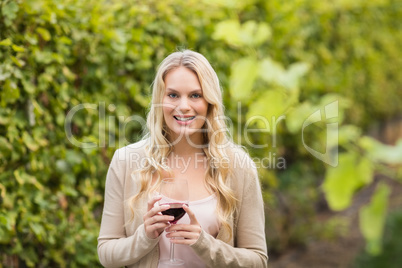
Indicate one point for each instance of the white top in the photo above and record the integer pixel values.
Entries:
(205, 212)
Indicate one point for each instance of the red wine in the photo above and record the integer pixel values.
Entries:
(176, 210)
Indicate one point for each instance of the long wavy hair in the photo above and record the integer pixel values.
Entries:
(215, 135)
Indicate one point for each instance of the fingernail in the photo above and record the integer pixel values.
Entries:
(171, 218)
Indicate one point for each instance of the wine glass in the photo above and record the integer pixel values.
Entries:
(175, 194)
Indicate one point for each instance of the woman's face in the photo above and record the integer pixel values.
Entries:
(184, 107)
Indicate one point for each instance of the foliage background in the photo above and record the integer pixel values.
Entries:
(273, 58)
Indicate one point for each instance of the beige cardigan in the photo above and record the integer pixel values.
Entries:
(127, 245)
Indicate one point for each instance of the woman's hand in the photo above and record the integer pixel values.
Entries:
(190, 232)
(154, 221)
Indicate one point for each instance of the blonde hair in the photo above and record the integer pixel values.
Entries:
(215, 135)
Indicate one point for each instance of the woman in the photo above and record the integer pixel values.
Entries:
(187, 138)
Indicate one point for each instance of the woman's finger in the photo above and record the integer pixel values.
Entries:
(184, 227)
(183, 241)
(191, 215)
(153, 200)
(158, 226)
(159, 218)
(185, 235)
(155, 211)
(154, 224)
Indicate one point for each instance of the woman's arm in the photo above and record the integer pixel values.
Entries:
(250, 248)
(115, 249)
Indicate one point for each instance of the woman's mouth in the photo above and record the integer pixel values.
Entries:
(183, 119)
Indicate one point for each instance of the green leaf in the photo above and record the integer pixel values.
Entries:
(142, 100)
(7, 226)
(38, 230)
(30, 142)
(262, 34)
(242, 77)
(298, 115)
(294, 73)
(18, 177)
(232, 4)
(247, 32)
(253, 33)
(274, 72)
(272, 103)
(18, 62)
(68, 74)
(348, 133)
(10, 93)
(62, 166)
(6, 42)
(44, 33)
(22, 178)
(18, 48)
(30, 256)
(5, 148)
(5, 71)
(9, 11)
(28, 86)
(4, 120)
(372, 219)
(73, 157)
(342, 181)
(228, 31)
(271, 71)
(250, 33)
(380, 152)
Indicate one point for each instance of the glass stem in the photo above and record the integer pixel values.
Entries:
(171, 252)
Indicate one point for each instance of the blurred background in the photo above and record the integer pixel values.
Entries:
(312, 88)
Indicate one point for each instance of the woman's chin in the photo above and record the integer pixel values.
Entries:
(186, 134)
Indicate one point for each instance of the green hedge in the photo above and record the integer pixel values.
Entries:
(98, 58)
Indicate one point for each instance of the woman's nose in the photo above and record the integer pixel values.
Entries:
(184, 105)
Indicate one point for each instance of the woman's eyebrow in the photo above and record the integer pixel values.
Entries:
(198, 90)
(171, 89)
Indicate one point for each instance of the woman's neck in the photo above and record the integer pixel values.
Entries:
(188, 146)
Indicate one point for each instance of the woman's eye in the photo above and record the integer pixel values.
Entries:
(172, 95)
(196, 95)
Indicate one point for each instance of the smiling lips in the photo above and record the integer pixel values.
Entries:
(184, 119)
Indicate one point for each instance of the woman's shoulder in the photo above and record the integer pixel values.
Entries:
(131, 154)
(243, 170)
(134, 148)
(239, 157)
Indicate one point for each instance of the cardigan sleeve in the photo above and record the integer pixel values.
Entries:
(115, 249)
(250, 249)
